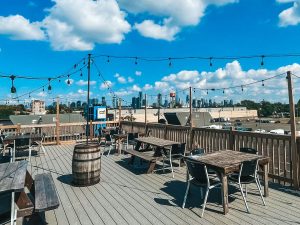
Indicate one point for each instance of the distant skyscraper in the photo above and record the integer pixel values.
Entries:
(159, 99)
(194, 103)
(94, 101)
(103, 101)
(133, 102)
(140, 100)
(78, 104)
(187, 99)
(114, 103)
(231, 102)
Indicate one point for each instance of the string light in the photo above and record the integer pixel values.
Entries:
(223, 91)
(242, 88)
(43, 88)
(135, 62)
(81, 72)
(75, 65)
(210, 62)
(262, 60)
(49, 87)
(68, 81)
(207, 91)
(108, 59)
(262, 83)
(170, 62)
(13, 88)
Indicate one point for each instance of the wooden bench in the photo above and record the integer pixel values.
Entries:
(41, 191)
(145, 156)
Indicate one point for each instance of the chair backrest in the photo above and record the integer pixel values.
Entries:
(107, 137)
(149, 133)
(22, 142)
(178, 149)
(248, 168)
(197, 151)
(196, 170)
(248, 150)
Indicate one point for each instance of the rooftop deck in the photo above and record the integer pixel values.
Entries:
(128, 196)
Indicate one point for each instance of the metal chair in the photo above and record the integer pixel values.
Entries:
(198, 175)
(248, 150)
(176, 152)
(130, 139)
(107, 143)
(247, 175)
(197, 151)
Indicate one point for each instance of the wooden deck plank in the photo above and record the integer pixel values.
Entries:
(124, 196)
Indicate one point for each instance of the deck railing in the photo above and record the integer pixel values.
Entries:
(67, 131)
(277, 147)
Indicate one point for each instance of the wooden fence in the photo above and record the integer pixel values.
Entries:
(68, 132)
(277, 147)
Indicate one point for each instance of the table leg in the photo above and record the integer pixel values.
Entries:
(152, 164)
(14, 151)
(266, 180)
(13, 213)
(224, 193)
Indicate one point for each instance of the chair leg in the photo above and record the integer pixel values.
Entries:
(244, 198)
(29, 158)
(171, 166)
(259, 189)
(108, 151)
(186, 193)
(246, 190)
(205, 200)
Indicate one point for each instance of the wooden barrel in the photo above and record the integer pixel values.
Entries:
(86, 164)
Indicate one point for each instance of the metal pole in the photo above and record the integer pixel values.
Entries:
(57, 121)
(88, 98)
(295, 160)
(120, 111)
(145, 110)
(191, 121)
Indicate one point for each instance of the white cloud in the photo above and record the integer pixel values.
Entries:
(130, 79)
(147, 87)
(174, 15)
(138, 73)
(148, 28)
(85, 82)
(135, 88)
(123, 92)
(106, 85)
(116, 75)
(42, 94)
(19, 28)
(122, 80)
(290, 16)
(79, 24)
(161, 85)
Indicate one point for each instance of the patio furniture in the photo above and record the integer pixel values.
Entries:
(119, 138)
(14, 178)
(226, 162)
(176, 152)
(107, 142)
(131, 139)
(197, 151)
(248, 150)
(150, 154)
(247, 175)
(198, 175)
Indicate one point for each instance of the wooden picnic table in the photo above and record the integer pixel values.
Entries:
(14, 177)
(225, 162)
(158, 144)
(119, 138)
(11, 139)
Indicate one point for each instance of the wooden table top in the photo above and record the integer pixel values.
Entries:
(228, 161)
(12, 176)
(120, 135)
(22, 136)
(156, 141)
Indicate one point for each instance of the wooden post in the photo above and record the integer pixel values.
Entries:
(91, 130)
(231, 139)
(18, 128)
(191, 121)
(295, 160)
(120, 111)
(57, 122)
(145, 113)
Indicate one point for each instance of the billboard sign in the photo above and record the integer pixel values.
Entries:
(101, 113)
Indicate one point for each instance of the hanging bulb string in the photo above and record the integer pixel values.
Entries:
(243, 85)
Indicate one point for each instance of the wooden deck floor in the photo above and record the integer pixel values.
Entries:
(127, 196)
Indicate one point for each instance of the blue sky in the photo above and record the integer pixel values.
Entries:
(45, 38)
